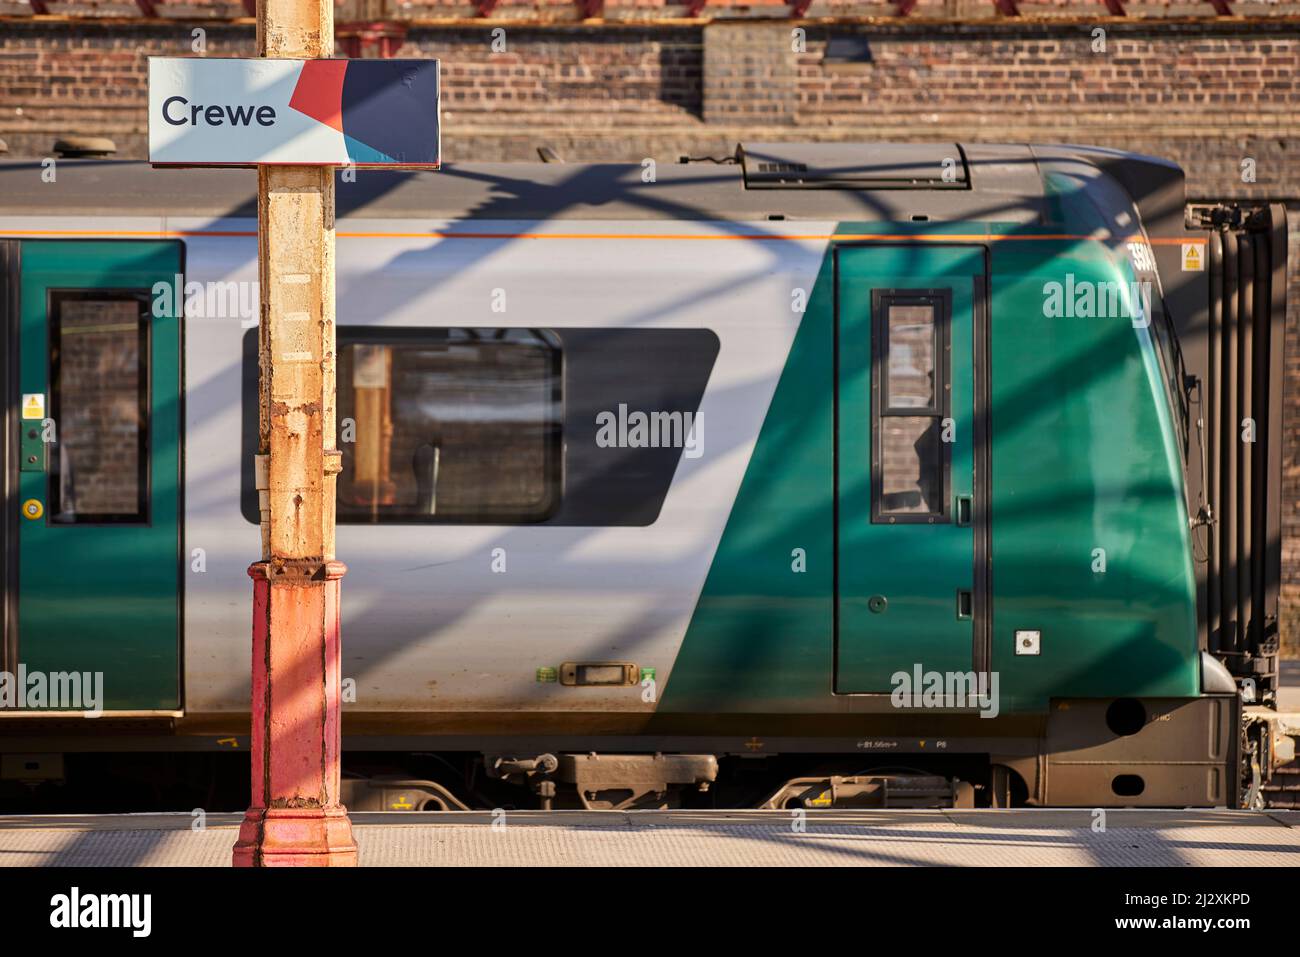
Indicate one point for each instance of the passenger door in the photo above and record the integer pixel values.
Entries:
(98, 394)
(907, 593)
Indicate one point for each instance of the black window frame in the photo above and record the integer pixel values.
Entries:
(882, 300)
(54, 300)
(553, 463)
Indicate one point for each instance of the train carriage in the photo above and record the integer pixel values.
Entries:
(839, 474)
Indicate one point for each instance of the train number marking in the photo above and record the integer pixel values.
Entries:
(1143, 260)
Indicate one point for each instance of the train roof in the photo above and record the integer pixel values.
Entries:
(838, 182)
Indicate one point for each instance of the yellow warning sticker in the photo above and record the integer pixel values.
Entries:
(1193, 257)
(33, 405)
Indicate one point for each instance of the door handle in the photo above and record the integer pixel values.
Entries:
(965, 603)
(963, 510)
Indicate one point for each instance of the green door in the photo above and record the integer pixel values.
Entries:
(907, 513)
(99, 495)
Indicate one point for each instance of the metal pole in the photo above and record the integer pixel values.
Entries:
(296, 818)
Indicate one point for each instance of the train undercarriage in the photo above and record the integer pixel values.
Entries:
(1125, 752)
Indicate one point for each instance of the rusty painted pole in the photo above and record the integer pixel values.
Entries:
(296, 818)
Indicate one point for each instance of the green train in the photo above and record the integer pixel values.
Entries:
(824, 475)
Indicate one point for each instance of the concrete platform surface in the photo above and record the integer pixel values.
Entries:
(695, 838)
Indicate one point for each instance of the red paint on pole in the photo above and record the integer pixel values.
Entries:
(296, 818)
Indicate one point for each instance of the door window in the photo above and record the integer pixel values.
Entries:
(99, 404)
(910, 403)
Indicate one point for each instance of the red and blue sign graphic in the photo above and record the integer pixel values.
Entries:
(243, 112)
(380, 106)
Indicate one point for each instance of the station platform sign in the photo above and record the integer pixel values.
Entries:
(248, 112)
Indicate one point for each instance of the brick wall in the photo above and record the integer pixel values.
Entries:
(751, 75)
(90, 78)
(558, 79)
(1205, 94)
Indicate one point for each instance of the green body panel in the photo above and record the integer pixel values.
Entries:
(917, 568)
(1084, 457)
(760, 638)
(105, 598)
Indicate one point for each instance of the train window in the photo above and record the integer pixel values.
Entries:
(449, 425)
(909, 373)
(99, 404)
(910, 465)
(910, 402)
